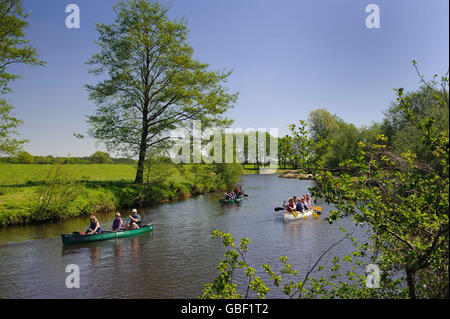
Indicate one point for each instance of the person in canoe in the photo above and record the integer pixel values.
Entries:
(290, 206)
(241, 190)
(300, 207)
(238, 192)
(95, 227)
(229, 195)
(117, 223)
(135, 220)
(305, 205)
(308, 200)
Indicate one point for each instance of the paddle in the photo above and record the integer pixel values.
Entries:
(315, 215)
(245, 195)
(277, 209)
(318, 210)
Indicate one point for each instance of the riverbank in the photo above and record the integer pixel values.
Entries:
(33, 194)
(296, 175)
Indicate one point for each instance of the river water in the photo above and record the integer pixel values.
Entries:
(179, 257)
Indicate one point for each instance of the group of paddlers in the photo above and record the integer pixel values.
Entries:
(238, 192)
(298, 204)
(118, 223)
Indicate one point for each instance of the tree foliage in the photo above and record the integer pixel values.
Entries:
(100, 158)
(14, 49)
(322, 124)
(25, 158)
(9, 143)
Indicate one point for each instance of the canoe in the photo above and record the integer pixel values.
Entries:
(71, 239)
(300, 216)
(229, 201)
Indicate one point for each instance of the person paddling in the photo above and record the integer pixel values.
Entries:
(117, 223)
(300, 207)
(305, 205)
(135, 220)
(95, 227)
(290, 207)
(231, 194)
(238, 192)
(308, 200)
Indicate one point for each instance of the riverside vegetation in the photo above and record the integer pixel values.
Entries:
(32, 193)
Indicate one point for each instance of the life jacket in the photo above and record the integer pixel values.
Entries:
(116, 223)
(305, 206)
(93, 225)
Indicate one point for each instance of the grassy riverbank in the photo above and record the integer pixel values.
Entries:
(44, 193)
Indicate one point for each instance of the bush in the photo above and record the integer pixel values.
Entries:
(53, 198)
(25, 158)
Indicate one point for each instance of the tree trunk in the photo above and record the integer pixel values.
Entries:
(145, 121)
(411, 285)
(142, 150)
(140, 170)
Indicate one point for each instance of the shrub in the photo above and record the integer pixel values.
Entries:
(53, 198)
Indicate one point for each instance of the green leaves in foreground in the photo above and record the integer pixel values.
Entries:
(337, 285)
(223, 286)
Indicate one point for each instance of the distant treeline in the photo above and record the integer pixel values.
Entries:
(96, 158)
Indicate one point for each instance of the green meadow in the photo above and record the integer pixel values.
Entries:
(26, 174)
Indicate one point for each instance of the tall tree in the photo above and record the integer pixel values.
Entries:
(151, 82)
(14, 49)
(404, 136)
(322, 124)
(9, 145)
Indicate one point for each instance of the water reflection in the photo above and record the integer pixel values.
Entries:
(95, 254)
(118, 249)
(134, 247)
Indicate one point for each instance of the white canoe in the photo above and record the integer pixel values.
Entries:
(290, 217)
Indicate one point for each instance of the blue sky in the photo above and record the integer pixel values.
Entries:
(288, 56)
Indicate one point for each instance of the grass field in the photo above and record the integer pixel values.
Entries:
(26, 174)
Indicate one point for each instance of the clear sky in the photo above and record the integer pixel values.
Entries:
(288, 56)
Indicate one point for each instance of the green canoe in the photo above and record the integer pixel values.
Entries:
(226, 201)
(72, 239)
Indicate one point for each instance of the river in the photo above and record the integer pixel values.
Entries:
(179, 256)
